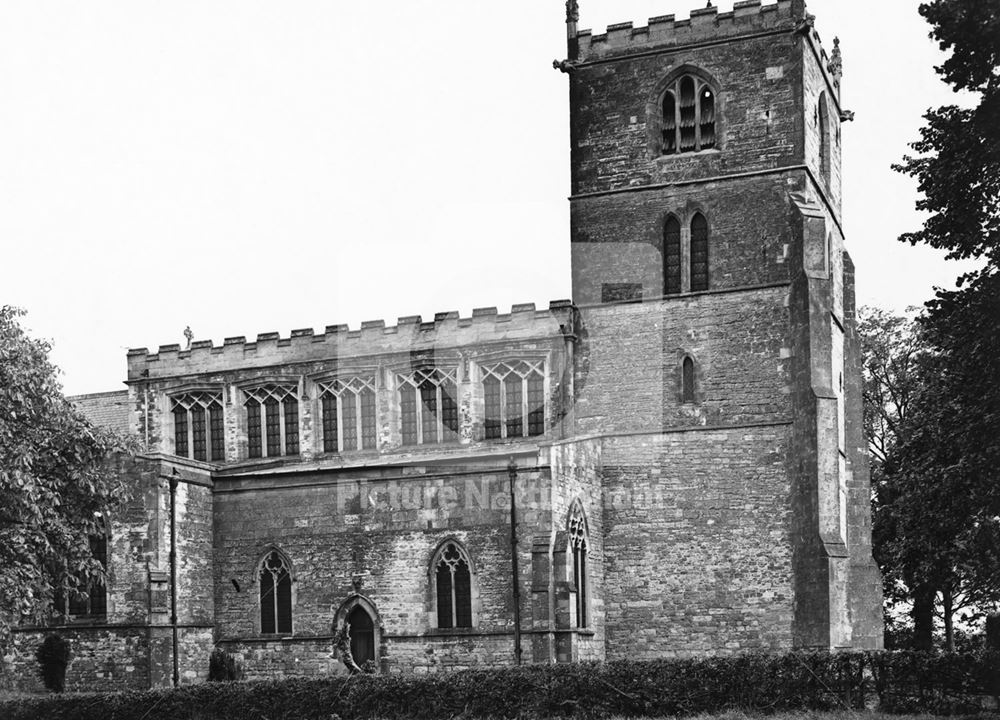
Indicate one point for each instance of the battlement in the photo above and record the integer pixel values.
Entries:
(706, 24)
(411, 333)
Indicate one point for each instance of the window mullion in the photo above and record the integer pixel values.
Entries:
(677, 115)
(698, 87)
(282, 450)
(190, 433)
(524, 406)
(439, 395)
(503, 406)
(454, 599)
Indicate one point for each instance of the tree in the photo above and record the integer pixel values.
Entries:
(59, 480)
(940, 505)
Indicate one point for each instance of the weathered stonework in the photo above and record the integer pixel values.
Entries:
(706, 446)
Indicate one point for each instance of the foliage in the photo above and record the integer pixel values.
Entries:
(662, 688)
(53, 657)
(938, 497)
(57, 481)
(224, 667)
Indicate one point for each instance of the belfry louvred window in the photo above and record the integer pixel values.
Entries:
(198, 426)
(275, 594)
(688, 116)
(453, 580)
(348, 413)
(428, 406)
(514, 397)
(272, 420)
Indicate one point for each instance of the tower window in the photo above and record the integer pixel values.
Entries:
(272, 421)
(699, 253)
(687, 380)
(672, 256)
(348, 410)
(824, 138)
(514, 395)
(275, 595)
(198, 428)
(428, 406)
(453, 591)
(688, 116)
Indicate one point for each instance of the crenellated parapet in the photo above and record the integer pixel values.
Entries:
(748, 17)
(410, 334)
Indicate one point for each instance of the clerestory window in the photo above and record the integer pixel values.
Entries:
(428, 406)
(272, 421)
(275, 594)
(514, 395)
(688, 116)
(198, 426)
(348, 413)
(453, 586)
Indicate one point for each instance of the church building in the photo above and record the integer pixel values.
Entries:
(681, 443)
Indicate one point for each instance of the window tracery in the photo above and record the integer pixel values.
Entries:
(428, 406)
(272, 420)
(453, 586)
(578, 542)
(348, 413)
(514, 395)
(275, 594)
(688, 108)
(198, 425)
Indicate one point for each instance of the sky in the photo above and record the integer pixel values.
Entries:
(242, 166)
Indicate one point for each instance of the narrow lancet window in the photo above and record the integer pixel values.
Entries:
(699, 253)
(453, 578)
(687, 380)
(275, 595)
(672, 256)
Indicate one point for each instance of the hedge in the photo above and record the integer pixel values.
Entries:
(896, 681)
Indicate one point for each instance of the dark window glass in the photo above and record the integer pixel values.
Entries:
(463, 595)
(217, 431)
(699, 253)
(273, 422)
(291, 425)
(688, 380)
(362, 636)
(446, 611)
(429, 410)
(253, 429)
(330, 423)
(198, 430)
(181, 431)
(349, 413)
(491, 395)
(580, 579)
(672, 256)
(513, 393)
(368, 433)
(449, 411)
(536, 405)
(408, 412)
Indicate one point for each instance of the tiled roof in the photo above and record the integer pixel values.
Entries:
(107, 409)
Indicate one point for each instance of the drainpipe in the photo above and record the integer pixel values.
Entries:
(512, 475)
(173, 574)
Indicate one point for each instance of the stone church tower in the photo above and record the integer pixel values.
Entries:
(718, 300)
(683, 439)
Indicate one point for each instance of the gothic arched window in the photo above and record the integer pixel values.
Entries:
(428, 406)
(578, 546)
(275, 594)
(348, 414)
(672, 256)
(198, 429)
(514, 399)
(272, 420)
(453, 586)
(688, 116)
(699, 253)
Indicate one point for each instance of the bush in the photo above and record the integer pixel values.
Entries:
(224, 667)
(750, 683)
(53, 657)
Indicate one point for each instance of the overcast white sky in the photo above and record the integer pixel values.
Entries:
(243, 166)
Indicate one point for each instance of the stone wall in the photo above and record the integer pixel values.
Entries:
(697, 543)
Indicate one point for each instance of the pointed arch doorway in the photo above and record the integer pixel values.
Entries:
(365, 632)
(362, 636)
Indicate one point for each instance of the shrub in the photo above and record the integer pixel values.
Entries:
(750, 683)
(53, 657)
(224, 667)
